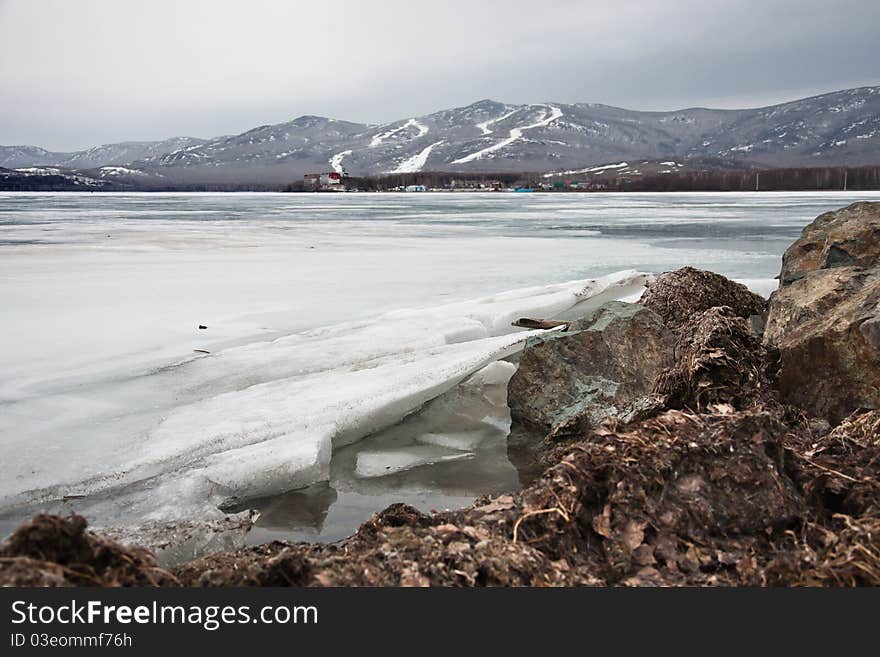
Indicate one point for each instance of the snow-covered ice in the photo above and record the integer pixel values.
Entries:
(391, 461)
(263, 418)
(330, 318)
(464, 441)
(497, 373)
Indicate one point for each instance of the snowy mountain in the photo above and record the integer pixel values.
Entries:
(840, 128)
(108, 154)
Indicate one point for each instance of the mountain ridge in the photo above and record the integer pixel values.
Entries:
(831, 129)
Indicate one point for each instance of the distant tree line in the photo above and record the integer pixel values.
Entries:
(862, 178)
(431, 179)
(791, 179)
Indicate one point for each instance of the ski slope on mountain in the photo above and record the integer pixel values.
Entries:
(515, 135)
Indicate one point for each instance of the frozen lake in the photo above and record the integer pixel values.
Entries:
(329, 318)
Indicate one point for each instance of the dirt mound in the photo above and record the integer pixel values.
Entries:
(718, 360)
(845, 552)
(677, 296)
(272, 564)
(24, 571)
(396, 515)
(682, 495)
(722, 498)
(840, 471)
(56, 551)
(459, 550)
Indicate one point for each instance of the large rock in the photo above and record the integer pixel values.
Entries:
(601, 367)
(825, 316)
(849, 237)
(678, 296)
(826, 326)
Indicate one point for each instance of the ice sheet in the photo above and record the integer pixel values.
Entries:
(464, 441)
(388, 462)
(263, 418)
(102, 296)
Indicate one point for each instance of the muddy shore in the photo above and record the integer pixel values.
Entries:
(703, 436)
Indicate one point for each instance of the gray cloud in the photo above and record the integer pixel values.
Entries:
(74, 75)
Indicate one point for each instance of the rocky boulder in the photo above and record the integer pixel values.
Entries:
(826, 326)
(849, 237)
(825, 316)
(602, 366)
(678, 296)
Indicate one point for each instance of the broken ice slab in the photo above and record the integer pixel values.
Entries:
(381, 463)
(262, 419)
(464, 441)
(494, 374)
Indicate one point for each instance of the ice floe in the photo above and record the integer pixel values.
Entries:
(279, 409)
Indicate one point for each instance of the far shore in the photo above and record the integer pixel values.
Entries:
(648, 177)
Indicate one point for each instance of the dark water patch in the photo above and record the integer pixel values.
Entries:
(703, 229)
(14, 242)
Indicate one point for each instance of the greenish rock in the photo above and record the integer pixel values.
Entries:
(602, 316)
(603, 366)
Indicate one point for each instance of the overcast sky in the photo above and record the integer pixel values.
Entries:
(77, 74)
